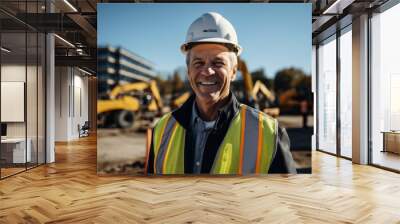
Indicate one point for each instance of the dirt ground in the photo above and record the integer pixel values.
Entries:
(121, 152)
(290, 121)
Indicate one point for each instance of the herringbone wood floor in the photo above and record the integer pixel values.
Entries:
(69, 191)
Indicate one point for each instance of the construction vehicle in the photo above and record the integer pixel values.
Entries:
(289, 102)
(257, 95)
(129, 102)
(247, 82)
(180, 100)
(265, 99)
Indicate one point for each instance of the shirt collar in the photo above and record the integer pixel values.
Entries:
(223, 112)
(196, 118)
(184, 113)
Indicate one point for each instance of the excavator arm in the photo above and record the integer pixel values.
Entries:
(259, 86)
(248, 82)
(122, 89)
(252, 90)
(138, 86)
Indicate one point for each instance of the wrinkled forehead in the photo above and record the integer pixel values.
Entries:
(209, 51)
(228, 46)
(209, 47)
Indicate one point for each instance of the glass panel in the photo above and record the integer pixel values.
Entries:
(23, 82)
(385, 84)
(327, 96)
(41, 98)
(346, 94)
(31, 97)
(313, 87)
(13, 86)
(31, 85)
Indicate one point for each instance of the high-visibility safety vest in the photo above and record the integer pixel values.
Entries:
(247, 147)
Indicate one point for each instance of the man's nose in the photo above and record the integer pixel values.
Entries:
(208, 70)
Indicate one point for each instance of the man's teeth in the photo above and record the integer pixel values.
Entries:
(208, 83)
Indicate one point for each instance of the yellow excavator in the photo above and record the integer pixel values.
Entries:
(180, 100)
(129, 102)
(264, 98)
(258, 93)
(247, 81)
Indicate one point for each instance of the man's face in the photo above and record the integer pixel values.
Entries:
(211, 68)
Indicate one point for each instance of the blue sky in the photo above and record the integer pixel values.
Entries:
(273, 36)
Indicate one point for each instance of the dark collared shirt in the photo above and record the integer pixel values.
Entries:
(201, 130)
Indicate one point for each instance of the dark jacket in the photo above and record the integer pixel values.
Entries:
(282, 158)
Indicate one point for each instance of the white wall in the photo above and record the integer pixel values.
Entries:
(80, 114)
(12, 73)
(33, 126)
(71, 102)
(61, 103)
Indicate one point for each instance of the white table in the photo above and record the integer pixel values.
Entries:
(18, 150)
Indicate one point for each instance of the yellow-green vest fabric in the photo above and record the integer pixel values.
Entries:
(247, 147)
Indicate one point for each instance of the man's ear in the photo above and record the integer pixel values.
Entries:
(187, 72)
(234, 73)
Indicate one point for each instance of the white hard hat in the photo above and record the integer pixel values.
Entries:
(211, 27)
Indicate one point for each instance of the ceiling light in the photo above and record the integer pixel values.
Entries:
(65, 41)
(84, 71)
(79, 51)
(333, 6)
(5, 49)
(337, 7)
(70, 5)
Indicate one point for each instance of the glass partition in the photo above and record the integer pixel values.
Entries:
(385, 89)
(346, 92)
(327, 95)
(31, 97)
(13, 94)
(22, 77)
(41, 110)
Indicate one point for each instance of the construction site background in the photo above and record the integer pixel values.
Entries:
(127, 110)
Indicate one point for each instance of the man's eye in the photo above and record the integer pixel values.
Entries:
(198, 63)
(219, 63)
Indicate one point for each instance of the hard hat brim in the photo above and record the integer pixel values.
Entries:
(185, 46)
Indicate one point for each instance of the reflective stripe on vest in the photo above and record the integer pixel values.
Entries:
(170, 135)
(247, 146)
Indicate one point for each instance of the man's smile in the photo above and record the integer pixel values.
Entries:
(207, 83)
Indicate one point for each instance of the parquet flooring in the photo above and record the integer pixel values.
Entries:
(10, 171)
(69, 191)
